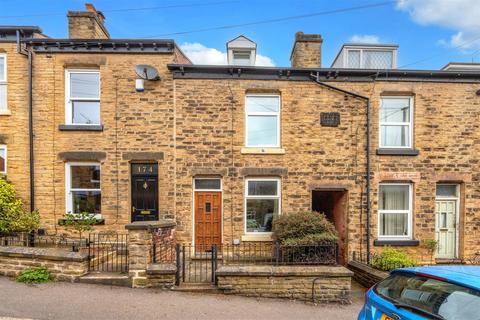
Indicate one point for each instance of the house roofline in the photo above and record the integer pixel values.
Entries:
(182, 71)
(102, 45)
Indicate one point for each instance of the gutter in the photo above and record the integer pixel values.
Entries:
(316, 78)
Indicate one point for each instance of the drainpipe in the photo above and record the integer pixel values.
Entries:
(28, 54)
(316, 78)
(30, 131)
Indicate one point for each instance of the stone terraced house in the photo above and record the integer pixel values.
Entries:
(391, 156)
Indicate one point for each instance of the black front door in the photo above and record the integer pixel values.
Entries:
(144, 192)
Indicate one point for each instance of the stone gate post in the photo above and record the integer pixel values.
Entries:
(140, 239)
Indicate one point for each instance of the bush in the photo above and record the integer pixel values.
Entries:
(391, 258)
(34, 275)
(303, 228)
(13, 216)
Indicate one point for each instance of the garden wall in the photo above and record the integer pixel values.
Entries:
(63, 264)
(321, 284)
(366, 275)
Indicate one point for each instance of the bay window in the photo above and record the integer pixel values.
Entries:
(395, 211)
(83, 188)
(396, 122)
(82, 91)
(262, 120)
(262, 204)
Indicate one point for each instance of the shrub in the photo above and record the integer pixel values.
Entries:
(303, 228)
(431, 245)
(391, 258)
(13, 216)
(34, 275)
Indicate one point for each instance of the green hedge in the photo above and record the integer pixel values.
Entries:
(303, 228)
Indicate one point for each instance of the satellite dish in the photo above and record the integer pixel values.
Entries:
(146, 72)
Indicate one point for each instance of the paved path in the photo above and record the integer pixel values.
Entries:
(84, 301)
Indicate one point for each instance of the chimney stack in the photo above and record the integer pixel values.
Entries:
(87, 24)
(306, 51)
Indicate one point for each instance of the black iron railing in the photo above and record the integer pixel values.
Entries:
(35, 239)
(107, 252)
(279, 254)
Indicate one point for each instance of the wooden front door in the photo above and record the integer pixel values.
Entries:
(144, 192)
(208, 219)
(446, 228)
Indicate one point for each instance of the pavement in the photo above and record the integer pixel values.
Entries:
(60, 300)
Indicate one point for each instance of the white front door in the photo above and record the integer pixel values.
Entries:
(446, 228)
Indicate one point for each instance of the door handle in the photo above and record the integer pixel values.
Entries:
(133, 209)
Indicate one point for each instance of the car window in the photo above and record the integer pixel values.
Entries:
(447, 300)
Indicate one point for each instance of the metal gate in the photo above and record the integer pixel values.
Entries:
(107, 252)
(196, 264)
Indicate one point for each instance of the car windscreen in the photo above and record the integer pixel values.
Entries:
(434, 296)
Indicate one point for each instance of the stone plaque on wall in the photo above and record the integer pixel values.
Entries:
(329, 119)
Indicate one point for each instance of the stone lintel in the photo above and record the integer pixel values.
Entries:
(283, 271)
(263, 171)
(55, 254)
(209, 172)
(82, 155)
(143, 155)
(386, 176)
(148, 225)
(328, 187)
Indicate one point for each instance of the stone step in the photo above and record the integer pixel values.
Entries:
(106, 278)
(197, 287)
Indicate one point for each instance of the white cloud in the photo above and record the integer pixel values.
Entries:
(200, 54)
(366, 38)
(462, 16)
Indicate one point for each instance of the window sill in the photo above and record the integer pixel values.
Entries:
(248, 150)
(99, 221)
(5, 113)
(257, 238)
(397, 152)
(396, 243)
(80, 127)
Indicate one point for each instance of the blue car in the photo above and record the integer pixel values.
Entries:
(434, 292)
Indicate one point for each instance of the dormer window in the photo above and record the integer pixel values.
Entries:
(241, 58)
(362, 56)
(241, 51)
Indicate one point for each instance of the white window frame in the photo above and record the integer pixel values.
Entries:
(69, 99)
(69, 189)
(4, 146)
(245, 52)
(4, 82)
(362, 63)
(409, 212)
(246, 197)
(278, 114)
(409, 124)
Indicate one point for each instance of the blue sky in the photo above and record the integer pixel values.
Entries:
(430, 32)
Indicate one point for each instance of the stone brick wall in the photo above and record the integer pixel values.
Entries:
(14, 122)
(210, 122)
(331, 284)
(62, 264)
(134, 124)
(161, 276)
(366, 275)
